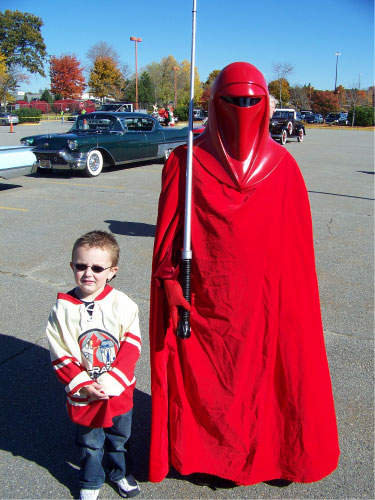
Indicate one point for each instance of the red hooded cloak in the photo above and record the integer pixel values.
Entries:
(248, 396)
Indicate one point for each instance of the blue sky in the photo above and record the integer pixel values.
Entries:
(305, 34)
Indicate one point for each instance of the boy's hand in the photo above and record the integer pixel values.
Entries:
(95, 391)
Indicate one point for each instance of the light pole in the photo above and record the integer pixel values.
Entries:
(136, 40)
(337, 54)
(175, 69)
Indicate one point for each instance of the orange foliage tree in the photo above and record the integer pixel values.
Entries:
(66, 76)
(324, 101)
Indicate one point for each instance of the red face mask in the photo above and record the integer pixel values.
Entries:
(238, 125)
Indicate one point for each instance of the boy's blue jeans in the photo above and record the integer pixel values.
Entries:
(92, 444)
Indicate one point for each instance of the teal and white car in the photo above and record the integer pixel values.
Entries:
(101, 139)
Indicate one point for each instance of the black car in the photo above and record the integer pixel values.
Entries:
(285, 125)
(337, 118)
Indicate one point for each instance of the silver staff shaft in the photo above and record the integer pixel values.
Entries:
(183, 330)
(186, 252)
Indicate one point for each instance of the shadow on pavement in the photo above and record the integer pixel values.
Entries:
(131, 228)
(34, 422)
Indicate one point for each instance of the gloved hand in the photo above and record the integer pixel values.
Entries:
(175, 298)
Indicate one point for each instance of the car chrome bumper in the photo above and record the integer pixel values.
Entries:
(60, 159)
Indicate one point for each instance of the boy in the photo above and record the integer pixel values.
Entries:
(94, 342)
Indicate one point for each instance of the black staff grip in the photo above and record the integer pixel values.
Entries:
(183, 329)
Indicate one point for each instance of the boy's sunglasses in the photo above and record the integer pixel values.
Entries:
(95, 269)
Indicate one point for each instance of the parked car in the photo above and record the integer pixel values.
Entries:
(285, 125)
(16, 161)
(318, 118)
(6, 118)
(337, 118)
(73, 117)
(101, 139)
(199, 114)
(117, 107)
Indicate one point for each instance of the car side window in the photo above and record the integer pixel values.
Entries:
(139, 124)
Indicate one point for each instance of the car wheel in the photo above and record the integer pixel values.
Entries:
(94, 163)
(284, 135)
(290, 128)
(3, 122)
(300, 135)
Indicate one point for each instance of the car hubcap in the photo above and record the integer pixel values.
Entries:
(94, 163)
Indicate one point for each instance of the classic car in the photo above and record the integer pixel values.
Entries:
(285, 125)
(102, 139)
(7, 118)
(16, 161)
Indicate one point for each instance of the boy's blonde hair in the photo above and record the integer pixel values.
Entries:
(99, 239)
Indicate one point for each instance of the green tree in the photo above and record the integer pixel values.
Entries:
(46, 96)
(362, 116)
(145, 89)
(21, 41)
(106, 79)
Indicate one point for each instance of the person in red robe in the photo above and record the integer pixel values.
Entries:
(248, 396)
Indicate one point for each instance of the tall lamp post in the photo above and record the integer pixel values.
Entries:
(136, 40)
(175, 69)
(337, 54)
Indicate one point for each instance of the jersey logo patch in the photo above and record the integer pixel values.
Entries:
(99, 350)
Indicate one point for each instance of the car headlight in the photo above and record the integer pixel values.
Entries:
(73, 145)
(27, 142)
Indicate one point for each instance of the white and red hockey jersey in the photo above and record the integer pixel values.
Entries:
(97, 342)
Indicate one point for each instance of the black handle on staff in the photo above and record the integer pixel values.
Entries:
(183, 329)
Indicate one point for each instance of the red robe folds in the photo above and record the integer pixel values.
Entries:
(248, 397)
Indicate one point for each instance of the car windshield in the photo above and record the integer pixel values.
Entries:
(97, 124)
(283, 114)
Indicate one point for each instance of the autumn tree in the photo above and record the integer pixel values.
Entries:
(184, 81)
(281, 90)
(106, 79)
(282, 70)
(325, 101)
(66, 76)
(10, 77)
(21, 41)
(300, 96)
(206, 88)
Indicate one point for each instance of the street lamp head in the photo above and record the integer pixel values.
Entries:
(337, 53)
(135, 39)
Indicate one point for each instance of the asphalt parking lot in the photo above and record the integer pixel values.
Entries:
(41, 216)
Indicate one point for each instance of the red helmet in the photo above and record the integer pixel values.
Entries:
(237, 134)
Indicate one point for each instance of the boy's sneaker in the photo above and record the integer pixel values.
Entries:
(128, 486)
(86, 494)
